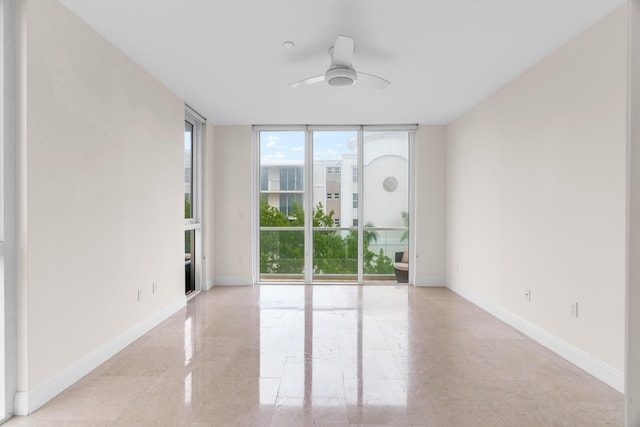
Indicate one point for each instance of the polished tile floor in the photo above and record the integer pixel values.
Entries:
(335, 356)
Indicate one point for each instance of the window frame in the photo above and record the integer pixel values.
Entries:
(308, 191)
(195, 222)
(10, 91)
(193, 169)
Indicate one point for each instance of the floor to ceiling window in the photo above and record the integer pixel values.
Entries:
(335, 234)
(385, 170)
(193, 124)
(281, 205)
(333, 204)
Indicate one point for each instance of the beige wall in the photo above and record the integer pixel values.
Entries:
(429, 204)
(101, 190)
(233, 209)
(536, 194)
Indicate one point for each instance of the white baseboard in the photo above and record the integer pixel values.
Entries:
(21, 403)
(588, 363)
(233, 281)
(26, 403)
(430, 281)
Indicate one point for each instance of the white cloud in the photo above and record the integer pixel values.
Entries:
(277, 156)
(297, 148)
(272, 140)
(329, 154)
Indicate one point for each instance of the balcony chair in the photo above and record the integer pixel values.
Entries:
(401, 266)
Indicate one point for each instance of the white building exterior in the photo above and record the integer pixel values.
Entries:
(335, 184)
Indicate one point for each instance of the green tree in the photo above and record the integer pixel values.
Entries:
(187, 206)
(187, 214)
(283, 251)
(405, 221)
(374, 263)
(377, 263)
(331, 252)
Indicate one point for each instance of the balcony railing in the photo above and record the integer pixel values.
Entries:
(335, 253)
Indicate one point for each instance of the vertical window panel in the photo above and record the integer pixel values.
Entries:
(281, 236)
(188, 170)
(385, 200)
(334, 253)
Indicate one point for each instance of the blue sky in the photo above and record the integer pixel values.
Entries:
(327, 145)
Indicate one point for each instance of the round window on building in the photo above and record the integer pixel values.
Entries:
(390, 184)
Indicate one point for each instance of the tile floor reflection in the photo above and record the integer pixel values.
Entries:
(335, 356)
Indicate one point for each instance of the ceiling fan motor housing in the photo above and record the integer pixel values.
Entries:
(341, 76)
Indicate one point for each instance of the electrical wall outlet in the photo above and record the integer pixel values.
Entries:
(154, 288)
(527, 294)
(573, 309)
(139, 295)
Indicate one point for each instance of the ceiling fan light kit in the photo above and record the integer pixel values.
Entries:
(341, 76)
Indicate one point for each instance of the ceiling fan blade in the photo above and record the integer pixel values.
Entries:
(370, 80)
(343, 51)
(307, 82)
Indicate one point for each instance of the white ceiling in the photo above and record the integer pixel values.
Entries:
(227, 60)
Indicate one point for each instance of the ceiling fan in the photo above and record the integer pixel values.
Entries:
(341, 72)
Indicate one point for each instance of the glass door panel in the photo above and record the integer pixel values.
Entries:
(281, 241)
(189, 261)
(334, 220)
(188, 170)
(386, 205)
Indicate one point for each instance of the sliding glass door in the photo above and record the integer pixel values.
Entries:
(190, 260)
(335, 222)
(281, 206)
(333, 204)
(193, 128)
(386, 203)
